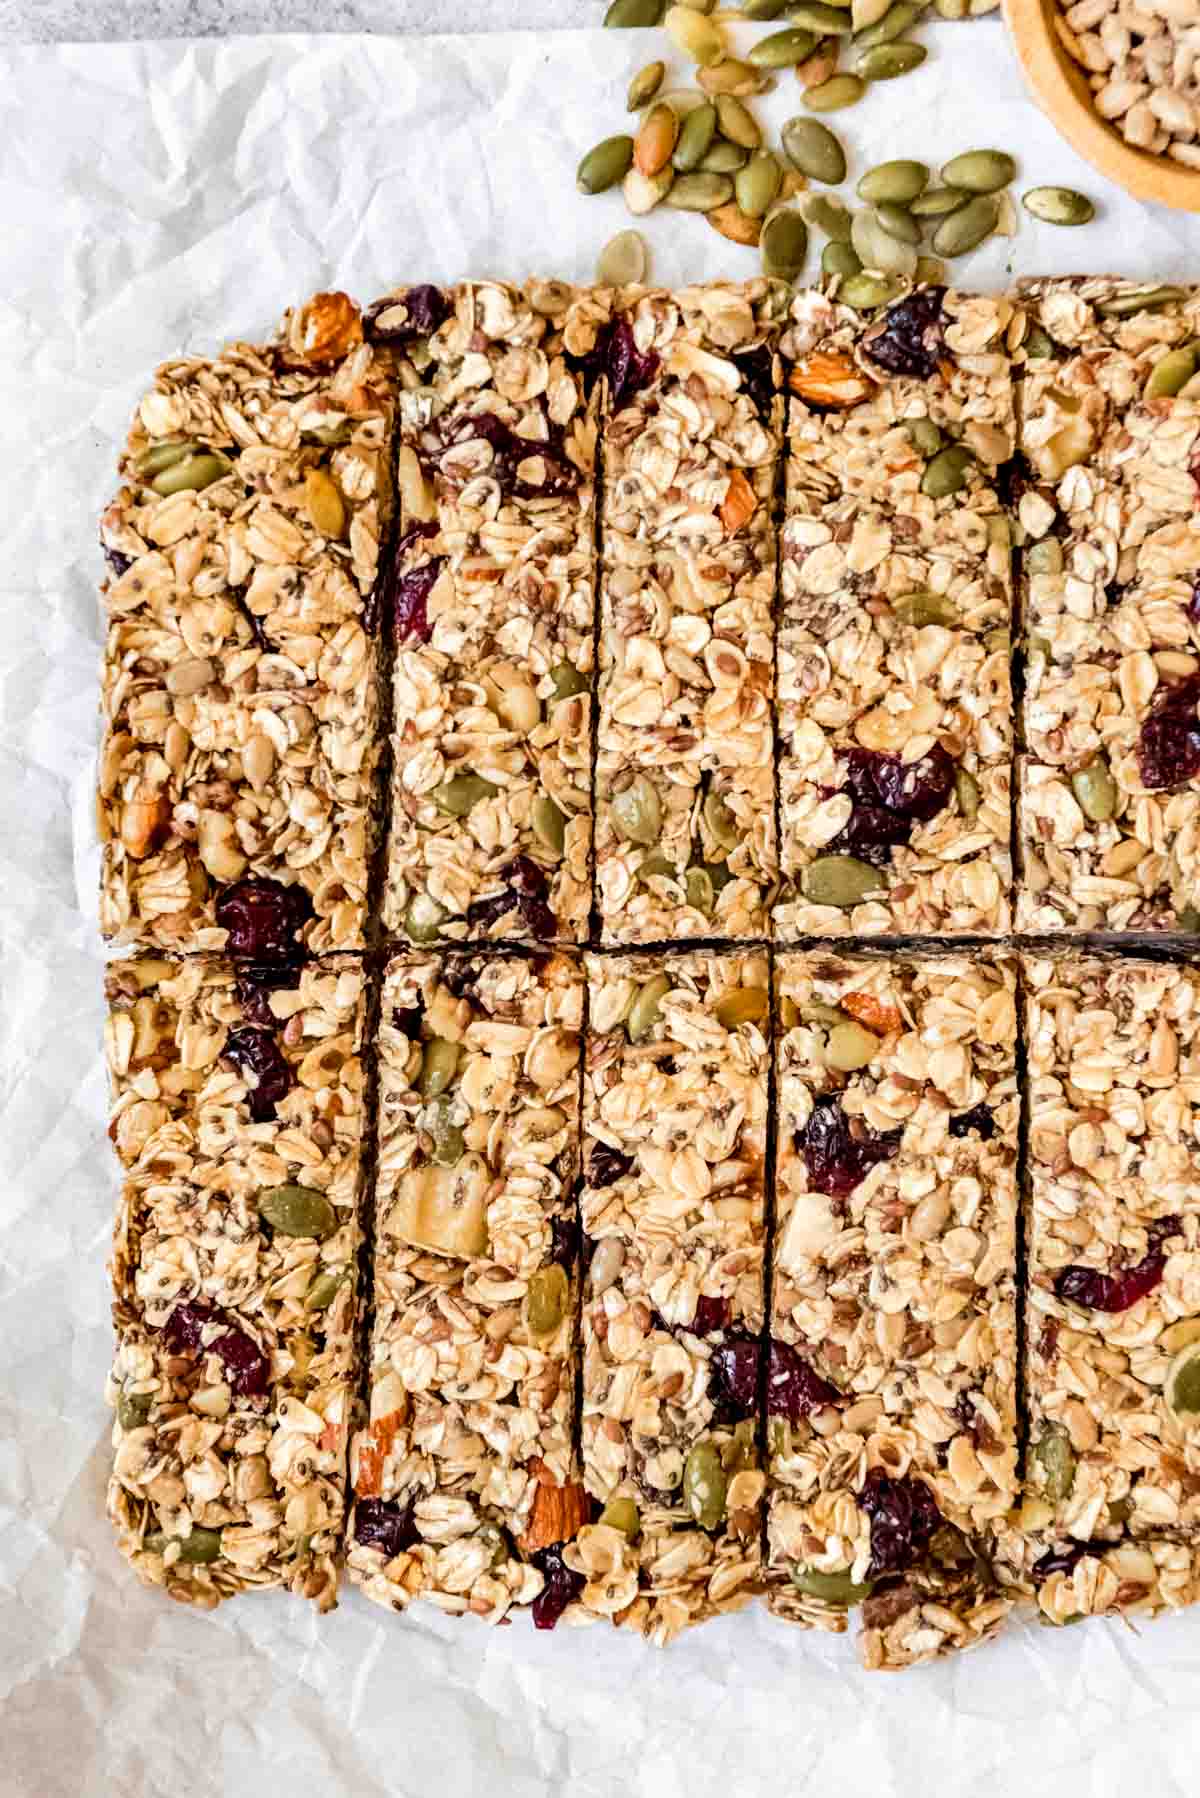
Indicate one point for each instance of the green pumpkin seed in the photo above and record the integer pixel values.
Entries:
(1045, 557)
(549, 1289)
(825, 21)
(449, 1143)
(737, 122)
(1056, 1459)
(566, 680)
(866, 13)
(929, 272)
(133, 1408)
(192, 474)
(840, 880)
(936, 202)
(762, 10)
(1181, 1388)
(980, 171)
(724, 158)
(1119, 1513)
(1140, 299)
(297, 1211)
(886, 61)
(894, 23)
(705, 1485)
(549, 824)
(948, 472)
(1038, 646)
(720, 821)
(605, 164)
(878, 249)
(699, 192)
(622, 1514)
(924, 435)
(647, 1007)
(829, 216)
(756, 185)
(814, 150)
(695, 137)
(898, 222)
(655, 863)
(637, 811)
(719, 875)
(966, 229)
(1189, 919)
(850, 1047)
(835, 94)
(840, 259)
(439, 1064)
(1038, 344)
(899, 181)
(783, 49)
(645, 85)
(698, 888)
(923, 607)
(196, 1549)
(459, 795)
(865, 292)
(1171, 372)
(161, 456)
(637, 15)
(622, 261)
(324, 1288)
(832, 1588)
(742, 1005)
(696, 36)
(815, 1011)
(966, 791)
(1096, 791)
(783, 244)
(423, 918)
(1058, 205)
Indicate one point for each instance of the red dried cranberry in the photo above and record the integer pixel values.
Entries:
(1064, 1560)
(562, 1586)
(617, 356)
(509, 452)
(246, 1367)
(979, 1119)
(185, 1326)
(1169, 744)
(910, 340)
(379, 1523)
(757, 369)
(263, 918)
(254, 989)
(904, 1519)
(564, 1238)
(255, 1051)
(607, 1165)
(1117, 1292)
(711, 1314)
(840, 1151)
(794, 1388)
(403, 593)
(458, 976)
(118, 563)
(1193, 605)
(426, 307)
(524, 891)
(733, 1376)
(889, 796)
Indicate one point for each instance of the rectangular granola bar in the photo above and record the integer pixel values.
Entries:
(891, 1385)
(465, 1478)
(237, 1119)
(239, 685)
(1110, 781)
(685, 826)
(1113, 1239)
(895, 702)
(675, 1114)
(491, 591)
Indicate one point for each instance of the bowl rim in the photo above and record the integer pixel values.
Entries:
(1043, 61)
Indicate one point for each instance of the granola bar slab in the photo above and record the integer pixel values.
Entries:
(1113, 1235)
(491, 592)
(1110, 783)
(237, 1119)
(685, 839)
(465, 1479)
(239, 684)
(895, 702)
(675, 1106)
(891, 1379)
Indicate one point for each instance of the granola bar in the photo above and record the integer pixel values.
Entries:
(1110, 783)
(491, 591)
(675, 1109)
(239, 704)
(1113, 1234)
(891, 1382)
(685, 833)
(465, 1478)
(895, 703)
(237, 1119)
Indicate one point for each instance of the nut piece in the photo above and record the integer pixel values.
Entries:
(144, 824)
(326, 329)
(558, 1515)
(829, 380)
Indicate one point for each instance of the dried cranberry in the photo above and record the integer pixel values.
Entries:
(562, 1586)
(1064, 1560)
(379, 1523)
(524, 891)
(407, 1019)
(711, 1314)
(458, 976)
(1117, 1292)
(509, 452)
(1193, 605)
(758, 378)
(118, 563)
(403, 593)
(904, 1520)
(979, 1119)
(840, 1151)
(794, 1388)
(733, 1376)
(263, 918)
(889, 796)
(1169, 744)
(910, 340)
(255, 1051)
(607, 1165)
(426, 307)
(254, 989)
(185, 1326)
(564, 1238)
(616, 355)
(246, 1367)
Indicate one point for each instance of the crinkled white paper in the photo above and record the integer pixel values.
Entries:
(165, 197)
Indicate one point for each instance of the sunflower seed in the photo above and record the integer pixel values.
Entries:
(840, 259)
(864, 292)
(622, 261)
(878, 249)
(634, 13)
(645, 85)
(732, 223)
(695, 137)
(1058, 205)
(886, 61)
(700, 193)
(829, 216)
(898, 181)
(782, 49)
(737, 123)
(966, 229)
(936, 202)
(980, 171)
(826, 21)
(833, 95)
(642, 193)
(695, 35)
(784, 244)
(605, 164)
(814, 149)
(894, 23)
(756, 185)
(723, 158)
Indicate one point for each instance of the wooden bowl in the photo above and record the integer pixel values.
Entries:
(1060, 87)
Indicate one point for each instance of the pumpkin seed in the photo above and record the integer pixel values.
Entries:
(1038, 344)
(826, 21)
(885, 61)
(815, 151)
(720, 822)
(966, 229)
(549, 1290)
(695, 35)
(1056, 1458)
(924, 435)
(742, 1005)
(1045, 557)
(549, 824)
(737, 122)
(980, 171)
(966, 791)
(951, 9)
(850, 1047)
(622, 261)
(695, 137)
(439, 1063)
(840, 880)
(448, 1139)
(756, 185)
(1189, 919)
(784, 244)
(297, 1211)
(645, 85)
(1141, 299)
(161, 456)
(699, 193)
(622, 1514)
(647, 1007)
(423, 918)
(634, 14)
(704, 1485)
(637, 812)
(936, 202)
(698, 889)
(930, 272)
(733, 77)
(948, 472)
(899, 181)
(829, 216)
(1058, 205)
(1181, 1388)
(832, 1588)
(605, 164)
(192, 473)
(655, 138)
(1171, 372)
(838, 92)
(866, 13)
(732, 223)
(1096, 791)
(782, 49)
(864, 292)
(459, 795)
(923, 607)
(642, 193)
(324, 503)
(878, 249)
(724, 158)
(815, 1011)
(894, 23)
(196, 1549)
(898, 222)
(840, 259)
(566, 680)
(655, 863)
(133, 1408)
(324, 1288)
(762, 10)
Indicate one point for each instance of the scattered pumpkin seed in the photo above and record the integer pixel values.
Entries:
(835, 94)
(637, 811)
(885, 61)
(1171, 372)
(924, 607)
(815, 151)
(192, 473)
(696, 36)
(605, 164)
(840, 880)
(980, 171)
(1054, 1455)
(634, 14)
(898, 222)
(756, 185)
(647, 1007)
(893, 24)
(948, 472)
(622, 261)
(622, 1514)
(439, 1064)
(864, 14)
(1140, 299)
(733, 77)
(825, 21)
(297, 1211)
(196, 1549)
(645, 85)
(733, 223)
(459, 795)
(724, 158)
(878, 249)
(423, 918)
(695, 137)
(784, 243)
(899, 181)
(782, 49)
(549, 1290)
(951, 9)
(864, 292)
(699, 192)
(966, 791)
(1058, 205)
(642, 193)
(936, 202)
(829, 216)
(831, 1588)
(566, 680)
(762, 10)
(840, 259)
(549, 824)
(1096, 791)
(133, 1408)
(737, 122)
(704, 1485)
(324, 1288)
(698, 889)
(924, 435)
(850, 1047)
(741, 1005)
(655, 139)
(966, 229)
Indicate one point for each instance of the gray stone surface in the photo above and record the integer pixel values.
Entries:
(76, 21)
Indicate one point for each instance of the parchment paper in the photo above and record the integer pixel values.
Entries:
(165, 197)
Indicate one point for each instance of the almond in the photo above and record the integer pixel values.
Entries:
(144, 823)
(872, 1012)
(326, 329)
(374, 1446)
(738, 506)
(829, 381)
(558, 1515)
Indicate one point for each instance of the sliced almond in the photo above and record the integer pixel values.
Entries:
(559, 1513)
(738, 506)
(833, 381)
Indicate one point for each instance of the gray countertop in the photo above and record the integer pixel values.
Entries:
(67, 21)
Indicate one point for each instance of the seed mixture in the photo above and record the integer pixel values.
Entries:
(544, 1186)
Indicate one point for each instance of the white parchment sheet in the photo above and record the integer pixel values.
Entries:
(164, 197)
